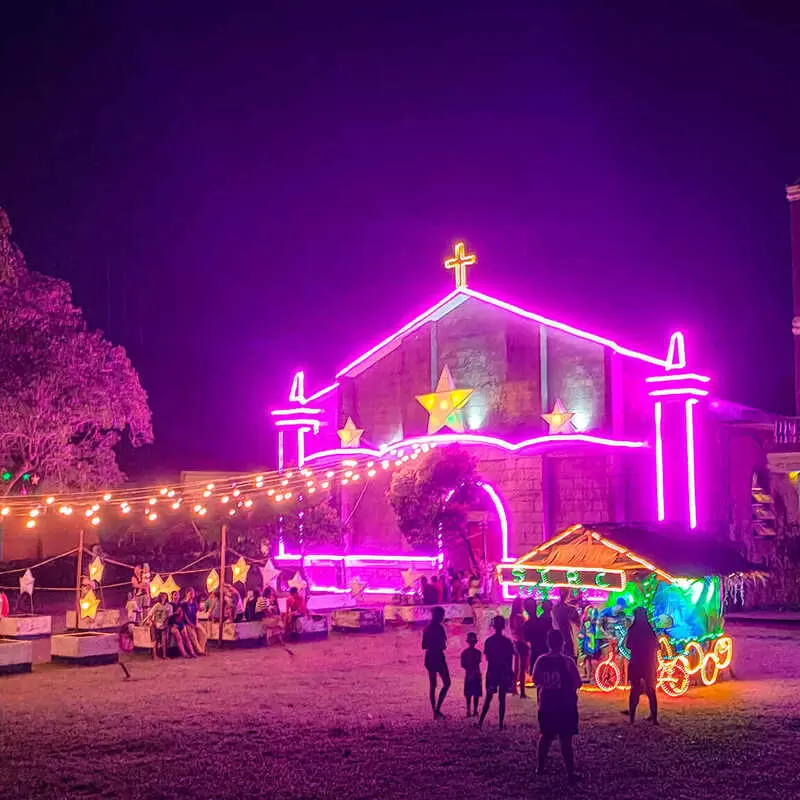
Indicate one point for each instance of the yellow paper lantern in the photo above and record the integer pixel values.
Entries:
(169, 586)
(240, 570)
(96, 569)
(89, 603)
(155, 586)
(212, 581)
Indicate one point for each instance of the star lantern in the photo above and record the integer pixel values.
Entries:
(155, 586)
(169, 586)
(559, 419)
(96, 569)
(26, 582)
(445, 404)
(410, 577)
(350, 436)
(357, 587)
(89, 604)
(269, 575)
(240, 570)
(297, 582)
(212, 581)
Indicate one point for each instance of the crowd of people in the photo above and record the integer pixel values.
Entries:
(543, 644)
(453, 586)
(174, 619)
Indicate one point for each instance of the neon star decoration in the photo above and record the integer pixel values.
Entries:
(240, 570)
(459, 264)
(350, 435)
(89, 604)
(559, 419)
(445, 404)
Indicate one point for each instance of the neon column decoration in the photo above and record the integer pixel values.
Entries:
(690, 465)
(659, 462)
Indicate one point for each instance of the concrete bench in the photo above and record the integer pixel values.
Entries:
(237, 634)
(87, 649)
(105, 619)
(357, 620)
(421, 615)
(26, 626)
(314, 626)
(16, 655)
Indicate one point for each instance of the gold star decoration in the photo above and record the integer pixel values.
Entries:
(96, 569)
(445, 404)
(89, 603)
(357, 587)
(559, 419)
(350, 436)
(410, 577)
(240, 570)
(169, 586)
(297, 582)
(269, 575)
(212, 581)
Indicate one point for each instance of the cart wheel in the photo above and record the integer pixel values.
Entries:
(723, 651)
(673, 677)
(709, 671)
(607, 676)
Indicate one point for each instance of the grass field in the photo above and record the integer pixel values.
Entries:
(348, 718)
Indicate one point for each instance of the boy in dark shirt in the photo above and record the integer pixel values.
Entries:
(473, 682)
(499, 652)
(434, 643)
(557, 682)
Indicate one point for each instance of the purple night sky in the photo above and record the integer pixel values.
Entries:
(234, 194)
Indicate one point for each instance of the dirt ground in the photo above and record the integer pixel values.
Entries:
(348, 718)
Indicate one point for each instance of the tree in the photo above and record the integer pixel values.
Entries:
(419, 495)
(67, 395)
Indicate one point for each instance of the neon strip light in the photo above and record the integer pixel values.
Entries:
(406, 329)
(301, 445)
(682, 391)
(690, 463)
(472, 438)
(280, 450)
(297, 392)
(322, 392)
(350, 560)
(520, 312)
(689, 376)
(501, 514)
(659, 464)
(288, 412)
(291, 423)
(550, 323)
(548, 543)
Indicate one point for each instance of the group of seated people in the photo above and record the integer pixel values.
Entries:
(178, 618)
(171, 616)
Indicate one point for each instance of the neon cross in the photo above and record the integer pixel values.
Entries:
(459, 263)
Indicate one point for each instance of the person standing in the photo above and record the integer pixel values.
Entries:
(499, 652)
(643, 666)
(473, 680)
(537, 627)
(516, 622)
(434, 643)
(567, 619)
(557, 682)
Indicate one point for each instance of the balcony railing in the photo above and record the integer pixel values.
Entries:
(787, 430)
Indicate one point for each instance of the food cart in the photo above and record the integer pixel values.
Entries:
(608, 570)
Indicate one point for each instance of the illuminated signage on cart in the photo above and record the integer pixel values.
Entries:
(612, 580)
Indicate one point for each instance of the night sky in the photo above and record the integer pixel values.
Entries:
(235, 194)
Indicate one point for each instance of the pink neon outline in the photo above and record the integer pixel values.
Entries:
(287, 412)
(322, 392)
(280, 450)
(301, 446)
(659, 463)
(291, 423)
(690, 467)
(689, 376)
(407, 328)
(521, 312)
(550, 323)
(682, 391)
(677, 346)
(297, 391)
(472, 438)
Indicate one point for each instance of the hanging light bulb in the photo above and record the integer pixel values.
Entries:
(95, 520)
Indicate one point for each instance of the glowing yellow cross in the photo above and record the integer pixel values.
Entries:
(459, 263)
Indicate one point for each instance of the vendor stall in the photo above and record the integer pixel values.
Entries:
(608, 570)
